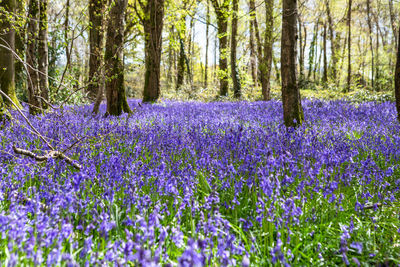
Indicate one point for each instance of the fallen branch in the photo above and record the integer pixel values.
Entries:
(51, 154)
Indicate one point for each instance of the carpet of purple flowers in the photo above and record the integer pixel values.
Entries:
(194, 184)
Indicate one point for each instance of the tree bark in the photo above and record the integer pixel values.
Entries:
(349, 47)
(312, 52)
(237, 91)
(370, 41)
(153, 24)
(292, 110)
(43, 53)
(7, 66)
(114, 65)
(301, 56)
(96, 38)
(221, 12)
(325, 74)
(181, 58)
(333, 43)
(392, 21)
(66, 31)
(253, 56)
(265, 66)
(207, 44)
(31, 58)
(397, 81)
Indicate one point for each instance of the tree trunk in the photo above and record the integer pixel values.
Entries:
(392, 21)
(20, 41)
(237, 91)
(221, 12)
(265, 66)
(96, 37)
(31, 58)
(66, 31)
(370, 41)
(181, 59)
(377, 71)
(292, 110)
(7, 67)
(207, 44)
(397, 81)
(312, 52)
(349, 47)
(253, 55)
(43, 53)
(153, 24)
(333, 43)
(301, 56)
(325, 74)
(114, 65)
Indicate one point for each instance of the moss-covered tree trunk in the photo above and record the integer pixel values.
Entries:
(221, 11)
(153, 25)
(114, 65)
(43, 53)
(96, 37)
(7, 46)
(292, 110)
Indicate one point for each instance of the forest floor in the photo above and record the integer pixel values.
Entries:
(198, 184)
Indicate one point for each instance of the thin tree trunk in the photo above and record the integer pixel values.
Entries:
(153, 24)
(31, 58)
(325, 74)
(370, 42)
(7, 67)
(207, 44)
(20, 41)
(66, 33)
(268, 43)
(377, 74)
(301, 57)
(221, 12)
(292, 110)
(397, 81)
(96, 39)
(333, 42)
(253, 56)
(349, 47)
(312, 53)
(393, 21)
(181, 58)
(114, 65)
(234, 70)
(43, 53)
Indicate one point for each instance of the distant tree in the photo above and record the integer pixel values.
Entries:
(397, 80)
(7, 46)
(222, 14)
(237, 91)
(96, 37)
(31, 58)
(114, 64)
(292, 110)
